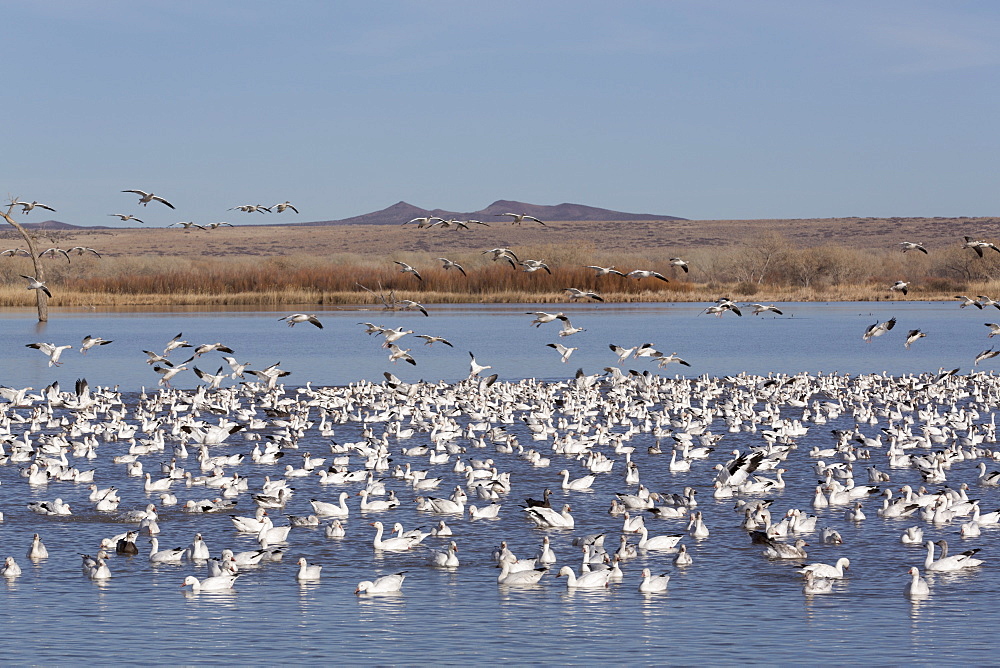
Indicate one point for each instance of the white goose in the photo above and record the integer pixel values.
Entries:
(835, 572)
(387, 584)
(325, 509)
(393, 544)
(954, 562)
(549, 518)
(666, 542)
(307, 571)
(445, 559)
(591, 580)
(917, 587)
(158, 556)
(217, 583)
(578, 484)
(653, 584)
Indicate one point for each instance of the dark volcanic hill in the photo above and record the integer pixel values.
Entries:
(59, 225)
(401, 212)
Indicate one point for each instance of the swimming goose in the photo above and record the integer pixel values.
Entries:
(525, 576)
(549, 518)
(249, 524)
(579, 483)
(335, 530)
(37, 549)
(665, 542)
(591, 580)
(307, 571)
(778, 550)
(158, 556)
(98, 570)
(394, 544)
(917, 587)
(653, 584)
(198, 549)
(445, 559)
(912, 536)
(835, 572)
(325, 509)
(387, 584)
(487, 512)
(955, 562)
(217, 583)
(683, 557)
(815, 584)
(10, 569)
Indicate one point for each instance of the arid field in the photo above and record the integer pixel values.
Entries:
(758, 260)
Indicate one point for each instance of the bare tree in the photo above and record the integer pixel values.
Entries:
(42, 299)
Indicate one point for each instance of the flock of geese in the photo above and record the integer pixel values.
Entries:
(695, 458)
(662, 472)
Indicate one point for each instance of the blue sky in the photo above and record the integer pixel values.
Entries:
(702, 109)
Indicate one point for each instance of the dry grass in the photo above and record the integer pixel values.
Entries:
(815, 260)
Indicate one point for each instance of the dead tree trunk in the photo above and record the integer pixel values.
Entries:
(42, 299)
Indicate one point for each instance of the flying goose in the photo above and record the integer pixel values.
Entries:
(52, 350)
(562, 350)
(145, 198)
(407, 269)
(576, 293)
(978, 246)
(125, 217)
(284, 205)
(909, 245)
(518, 218)
(296, 318)
(91, 341)
(913, 336)
(646, 273)
(26, 207)
(604, 271)
(878, 329)
(35, 284)
(451, 264)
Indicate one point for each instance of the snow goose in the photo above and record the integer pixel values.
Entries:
(393, 544)
(376, 505)
(683, 557)
(578, 484)
(545, 553)
(487, 512)
(198, 549)
(665, 542)
(591, 580)
(696, 527)
(37, 549)
(387, 584)
(158, 556)
(335, 530)
(10, 569)
(912, 536)
(549, 518)
(955, 562)
(99, 570)
(829, 536)
(307, 571)
(244, 559)
(249, 524)
(653, 584)
(441, 529)
(816, 585)
(325, 509)
(778, 550)
(917, 587)
(835, 572)
(446, 559)
(217, 583)
(270, 534)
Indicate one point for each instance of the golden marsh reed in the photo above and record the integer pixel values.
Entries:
(278, 266)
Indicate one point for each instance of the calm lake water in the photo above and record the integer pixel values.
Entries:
(731, 606)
